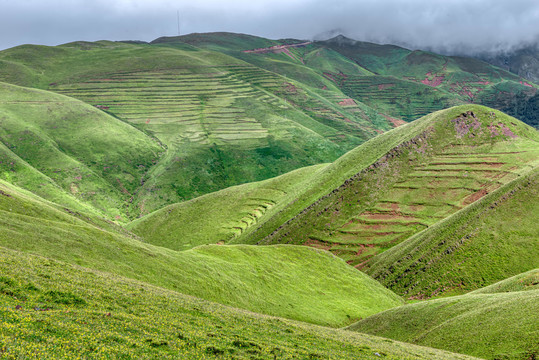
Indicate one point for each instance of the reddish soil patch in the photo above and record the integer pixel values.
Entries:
(394, 121)
(291, 89)
(347, 102)
(526, 84)
(276, 48)
(484, 82)
(474, 197)
(317, 244)
(395, 207)
(387, 216)
(147, 121)
(435, 81)
(324, 87)
(330, 77)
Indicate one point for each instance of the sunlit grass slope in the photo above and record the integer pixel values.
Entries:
(51, 309)
(222, 216)
(490, 240)
(521, 282)
(209, 110)
(405, 181)
(490, 326)
(67, 151)
(296, 282)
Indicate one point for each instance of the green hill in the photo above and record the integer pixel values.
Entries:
(414, 83)
(303, 286)
(489, 241)
(405, 181)
(521, 282)
(490, 326)
(69, 152)
(51, 309)
(397, 82)
(222, 216)
(209, 111)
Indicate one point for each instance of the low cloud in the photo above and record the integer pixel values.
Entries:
(450, 26)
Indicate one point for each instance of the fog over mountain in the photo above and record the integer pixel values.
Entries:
(452, 26)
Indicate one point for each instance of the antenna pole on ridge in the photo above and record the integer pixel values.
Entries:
(178, 13)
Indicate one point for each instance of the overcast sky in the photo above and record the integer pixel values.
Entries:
(442, 25)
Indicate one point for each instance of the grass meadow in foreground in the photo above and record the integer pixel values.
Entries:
(50, 309)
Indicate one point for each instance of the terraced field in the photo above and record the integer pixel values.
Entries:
(417, 184)
(447, 182)
(208, 110)
(407, 100)
(176, 105)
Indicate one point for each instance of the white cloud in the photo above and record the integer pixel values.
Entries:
(449, 24)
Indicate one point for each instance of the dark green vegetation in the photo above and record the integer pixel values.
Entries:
(104, 237)
(500, 326)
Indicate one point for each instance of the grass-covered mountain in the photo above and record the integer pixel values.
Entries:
(53, 309)
(504, 324)
(206, 110)
(240, 276)
(122, 237)
(405, 181)
(211, 101)
(400, 83)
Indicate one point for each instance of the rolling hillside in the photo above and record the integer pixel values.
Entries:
(436, 166)
(228, 196)
(207, 109)
(441, 324)
(71, 153)
(521, 282)
(181, 226)
(399, 83)
(491, 240)
(51, 309)
(240, 276)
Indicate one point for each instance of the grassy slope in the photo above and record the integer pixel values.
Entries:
(51, 309)
(490, 326)
(219, 217)
(210, 110)
(64, 149)
(490, 240)
(333, 176)
(384, 191)
(304, 285)
(413, 83)
(522, 282)
(311, 65)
